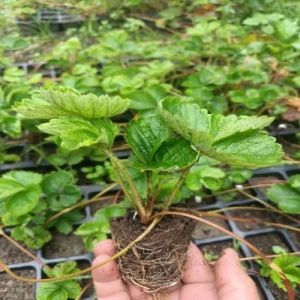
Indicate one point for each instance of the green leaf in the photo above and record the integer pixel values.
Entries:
(294, 181)
(92, 232)
(51, 291)
(61, 269)
(21, 191)
(176, 153)
(286, 197)
(23, 202)
(25, 178)
(34, 237)
(146, 135)
(287, 28)
(68, 289)
(147, 99)
(74, 133)
(51, 104)
(10, 124)
(289, 264)
(65, 223)
(249, 149)
(203, 175)
(9, 187)
(60, 190)
(234, 140)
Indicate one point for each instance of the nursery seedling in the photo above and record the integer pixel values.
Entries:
(171, 141)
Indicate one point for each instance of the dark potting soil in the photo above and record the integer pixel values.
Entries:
(10, 254)
(63, 245)
(11, 289)
(203, 231)
(265, 242)
(256, 215)
(155, 263)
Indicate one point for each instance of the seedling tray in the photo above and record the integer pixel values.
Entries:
(290, 242)
(57, 20)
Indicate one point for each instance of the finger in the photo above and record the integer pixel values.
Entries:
(198, 278)
(197, 269)
(107, 281)
(231, 280)
(105, 247)
(137, 293)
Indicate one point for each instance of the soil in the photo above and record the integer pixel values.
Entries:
(156, 262)
(63, 245)
(251, 214)
(265, 242)
(203, 231)
(10, 254)
(11, 289)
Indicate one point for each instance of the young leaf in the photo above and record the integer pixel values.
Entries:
(61, 290)
(210, 177)
(52, 104)
(175, 153)
(73, 133)
(146, 135)
(20, 191)
(34, 237)
(60, 190)
(286, 197)
(234, 140)
(94, 231)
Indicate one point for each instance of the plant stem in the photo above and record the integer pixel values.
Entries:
(177, 187)
(128, 186)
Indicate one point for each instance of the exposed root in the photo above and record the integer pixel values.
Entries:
(155, 263)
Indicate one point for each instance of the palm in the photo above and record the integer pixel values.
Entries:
(226, 281)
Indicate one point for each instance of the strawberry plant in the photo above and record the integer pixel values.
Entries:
(172, 141)
(69, 289)
(28, 199)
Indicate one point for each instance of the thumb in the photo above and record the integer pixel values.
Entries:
(232, 282)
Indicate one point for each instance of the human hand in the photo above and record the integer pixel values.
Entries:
(225, 281)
